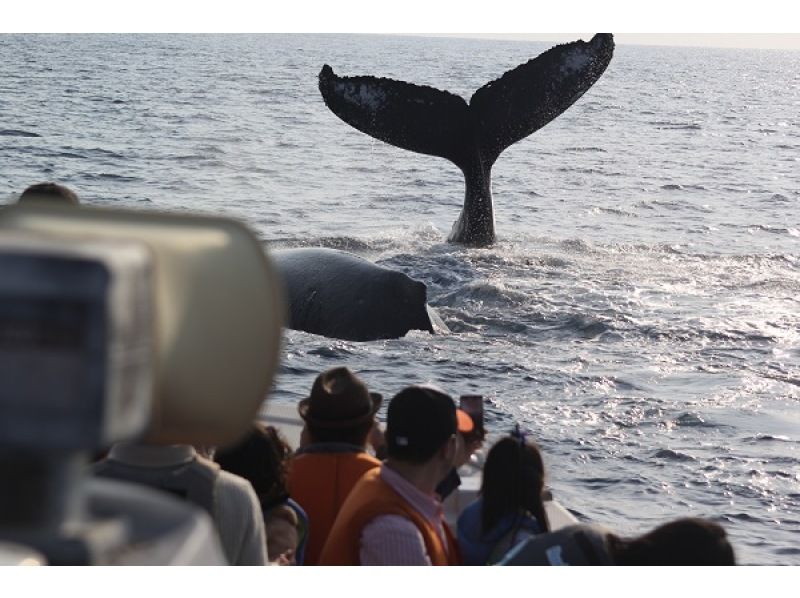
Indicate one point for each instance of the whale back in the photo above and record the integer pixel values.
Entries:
(339, 295)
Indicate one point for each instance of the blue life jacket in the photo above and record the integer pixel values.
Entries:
(478, 548)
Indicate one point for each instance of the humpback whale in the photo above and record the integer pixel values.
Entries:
(339, 295)
(472, 136)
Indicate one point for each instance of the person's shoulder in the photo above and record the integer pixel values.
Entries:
(235, 486)
(236, 502)
(361, 463)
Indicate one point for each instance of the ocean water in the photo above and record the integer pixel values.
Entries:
(639, 314)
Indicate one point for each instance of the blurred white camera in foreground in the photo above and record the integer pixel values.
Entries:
(118, 325)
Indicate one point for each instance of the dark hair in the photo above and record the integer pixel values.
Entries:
(262, 458)
(687, 541)
(49, 191)
(356, 435)
(513, 482)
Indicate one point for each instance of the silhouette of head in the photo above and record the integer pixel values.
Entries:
(262, 459)
(49, 192)
(688, 541)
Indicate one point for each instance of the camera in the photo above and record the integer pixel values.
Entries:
(119, 325)
(76, 347)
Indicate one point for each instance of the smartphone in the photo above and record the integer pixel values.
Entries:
(473, 405)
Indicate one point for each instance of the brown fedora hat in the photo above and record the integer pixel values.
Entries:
(339, 399)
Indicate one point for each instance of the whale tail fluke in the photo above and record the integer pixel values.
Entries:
(472, 136)
(430, 121)
(528, 97)
(413, 117)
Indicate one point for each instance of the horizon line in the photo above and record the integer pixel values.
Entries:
(743, 41)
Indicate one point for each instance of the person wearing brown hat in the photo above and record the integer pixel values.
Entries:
(393, 515)
(339, 416)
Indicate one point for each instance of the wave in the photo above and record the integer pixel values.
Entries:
(336, 351)
(739, 517)
(586, 149)
(602, 483)
(614, 211)
(685, 335)
(211, 149)
(578, 245)
(780, 198)
(17, 133)
(775, 230)
(462, 322)
(586, 170)
(70, 155)
(99, 152)
(753, 260)
(188, 158)
(673, 455)
(692, 420)
(296, 370)
(663, 124)
(354, 245)
(484, 291)
(786, 379)
(679, 187)
(106, 176)
(586, 326)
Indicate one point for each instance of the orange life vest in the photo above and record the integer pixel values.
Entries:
(371, 498)
(320, 483)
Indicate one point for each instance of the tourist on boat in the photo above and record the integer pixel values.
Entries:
(510, 508)
(262, 458)
(392, 516)
(338, 416)
(179, 470)
(687, 541)
(49, 193)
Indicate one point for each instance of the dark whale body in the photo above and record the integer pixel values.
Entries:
(472, 136)
(339, 295)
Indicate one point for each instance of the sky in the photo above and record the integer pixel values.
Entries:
(456, 17)
(781, 41)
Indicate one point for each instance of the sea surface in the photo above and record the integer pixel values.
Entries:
(640, 312)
